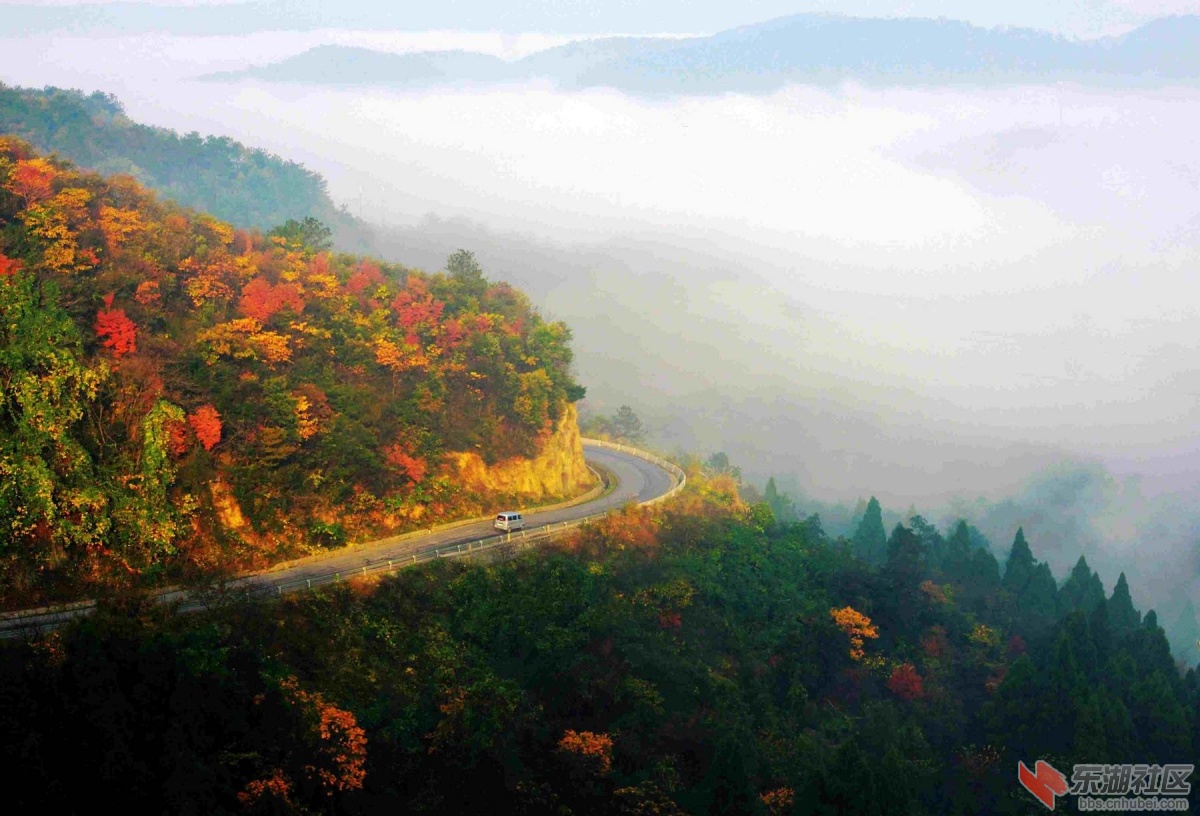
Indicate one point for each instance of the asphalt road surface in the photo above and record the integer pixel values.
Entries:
(637, 481)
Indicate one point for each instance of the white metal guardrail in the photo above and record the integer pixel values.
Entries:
(19, 624)
(670, 467)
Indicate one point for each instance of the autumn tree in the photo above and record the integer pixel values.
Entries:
(905, 682)
(856, 626)
(8, 266)
(303, 366)
(32, 180)
(366, 279)
(594, 751)
(206, 423)
(116, 331)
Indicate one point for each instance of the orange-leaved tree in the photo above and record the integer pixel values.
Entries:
(778, 801)
(594, 751)
(31, 179)
(857, 626)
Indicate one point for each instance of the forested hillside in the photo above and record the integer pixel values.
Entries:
(246, 187)
(182, 395)
(699, 659)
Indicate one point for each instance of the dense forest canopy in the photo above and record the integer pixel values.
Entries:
(702, 658)
(165, 373)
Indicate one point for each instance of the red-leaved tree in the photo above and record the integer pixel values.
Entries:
(256, 300)
(179, 437)
(414, 467)
(260, 299)
(206, 423)
(8, 266)
(366, 278)
(32, 180)
(116, 331)
(905, 683)
(415, 307)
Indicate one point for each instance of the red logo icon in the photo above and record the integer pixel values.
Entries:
(1045, 784)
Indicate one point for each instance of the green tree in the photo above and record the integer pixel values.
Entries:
(1122, 616)
(1159, 719)
(781, 504)
(956, 554)
(1082, 590)
(870, 539)
(719, 463)
(309, 234)
(467, 277)
(905, 557)
(1038, 604)
(932, 543)
(626, 425)
(1020, 566)
(50, 493)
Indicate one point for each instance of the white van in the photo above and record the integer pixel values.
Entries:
(510, 522)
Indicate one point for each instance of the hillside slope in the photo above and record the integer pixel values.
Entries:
(246, 186)
(180, 395)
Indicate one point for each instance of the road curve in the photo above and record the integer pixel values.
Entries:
(637, 480)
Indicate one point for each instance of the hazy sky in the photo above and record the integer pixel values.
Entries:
(1084, 18)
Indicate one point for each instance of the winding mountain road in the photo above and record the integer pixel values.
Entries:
(640, 478)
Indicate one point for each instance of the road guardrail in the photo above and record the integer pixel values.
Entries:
(27, 622)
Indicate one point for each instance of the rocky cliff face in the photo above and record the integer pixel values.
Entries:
(558, 471)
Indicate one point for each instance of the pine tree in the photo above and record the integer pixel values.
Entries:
(1039, 602)
(627, 426)
(1082, 590)
(905, 555)
(1019, 568)
(956, 555)
(467, 276)
(1159, 719)
(870, 539)
(781, 505)
(1089, 740)
(1122, 617)
(932, 543)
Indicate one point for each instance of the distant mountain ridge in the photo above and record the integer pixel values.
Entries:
(812, 49)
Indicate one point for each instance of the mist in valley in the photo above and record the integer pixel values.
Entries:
(975, 302)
